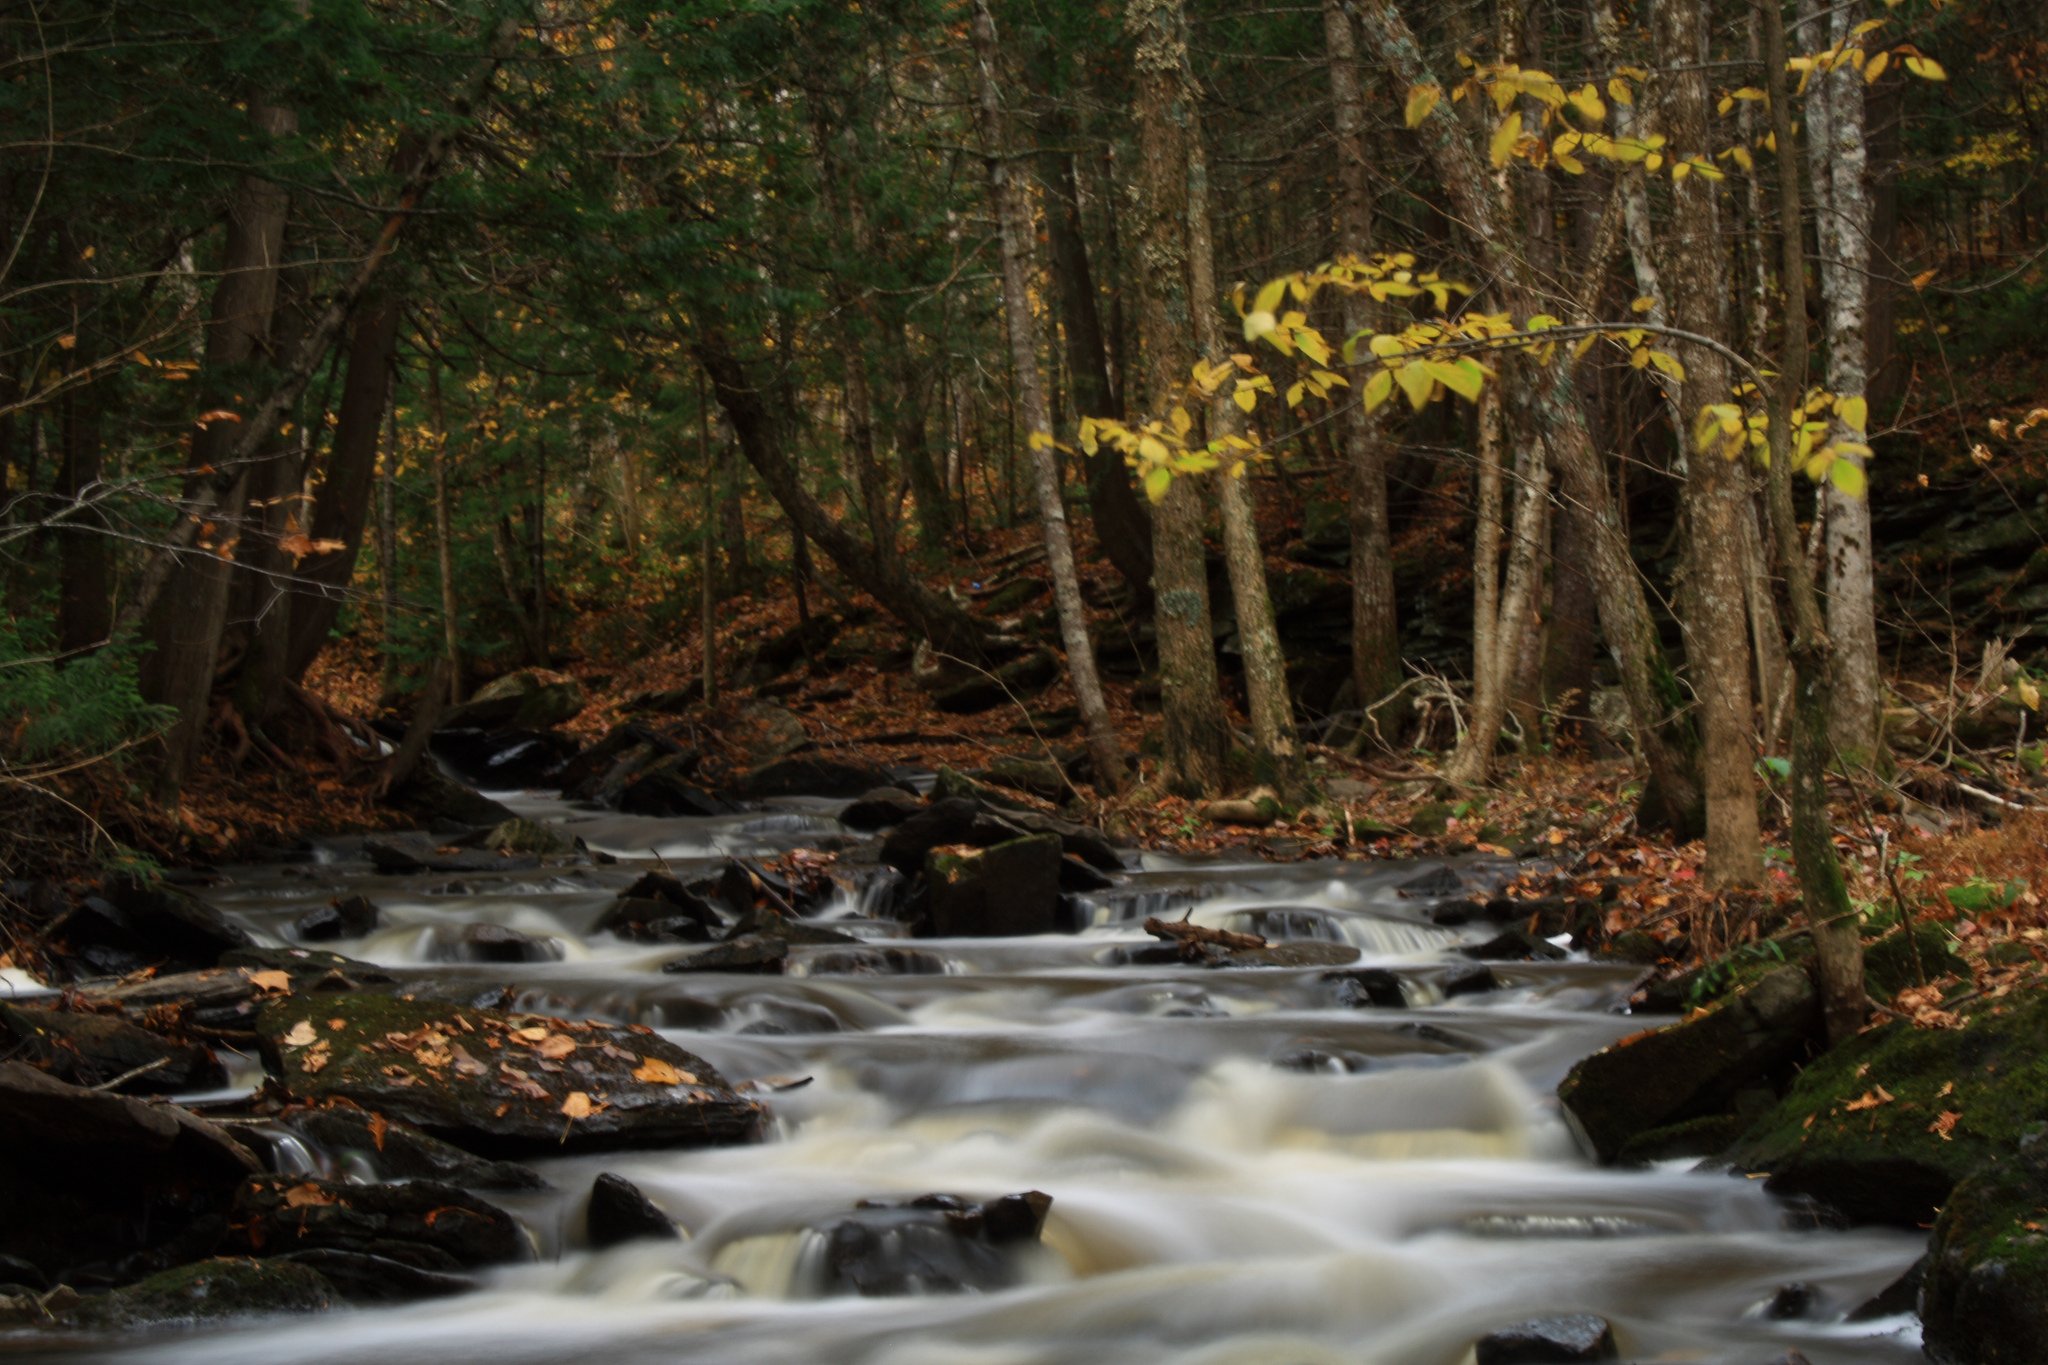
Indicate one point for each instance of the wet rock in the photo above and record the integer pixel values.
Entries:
(1321, 1061)
(1475, 979)
(1900, 1296)
(1006, 890)
(96, 1049)
(362, 1143)
(1559, 1340)
(761, 953)
(419, 1223)
(342, 917)
(1033, 776)
(1076, 875)
(811, 776)
(498, 1082)
(1435, 884)
(875, 961)
(646, 920)
(99, 1186)
(501, 759)
(206, 1292)
(1893, 1160)
(1015, 681)
(527, 837)
(1514, 945)
(1791, 1302)
(881, 807)
(432, 797)
(492, 943)
(1692, 1069)
(1307, 952)
(954, 820)
(601, 772)
(1367, 988)
(365, 1277)
(619, 1212)
(1985, 1297)
(134, 924)
(527, 700)
(1456, 912)
(403, 854)
(937, 1244)
(665, 789)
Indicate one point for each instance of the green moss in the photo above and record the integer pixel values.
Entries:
(207, 1291)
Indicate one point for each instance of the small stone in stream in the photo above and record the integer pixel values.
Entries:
(753, 953)
(1795, 1300)
(937, 1244)
(419, 1223)
(811, 776)
(1513, 945)
(881, 807)
(526, 836)
(95, 1050)
(646, 919)
(1434, 884)
(1306, 952)
(1004, 891)
(391, 1149)
(342, 917)
(619, 1212)
(498, 1082)
(1474, 979)
(1562, 1340)
(206, 1292)
(494, 943)
(399, 854)
(1316, 1061)
(1450, 914)
(1369, 987)
(876, 961)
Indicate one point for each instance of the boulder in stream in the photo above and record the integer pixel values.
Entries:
(618, 1212)
(134, 924)
(419, 1223)
(1008, 889)
(402, 854)
(1720, 1061)
(1985, 1297)
(1562, 1340)
(207, 1291)
(937, 1244)
(357, 1142)
(528, 699)
(342, 917)
(499, 1082)
(881, 807)
(99, 1050)
(810, 775)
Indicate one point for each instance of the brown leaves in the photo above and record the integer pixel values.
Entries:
(654, 1071)
(577, 1105)
(1944, 1126)
(300, 1035)
(316, 1057)
(555, 1046)
(270, 982)
(520, 1083)
(306, 1196)
(1869, 1099)
(1922, 1006)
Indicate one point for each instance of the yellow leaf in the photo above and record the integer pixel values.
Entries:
(1157, 481)
(1926, 68)
(1643, 305)
(1848, 478)
(1151, 448)
(1421, 99)
(1669, 364)
(1039, 440)
(1875, 67)
(1415, 381)
(1504, 139)
(1378, 389)
(1464, 378)
(1246, 397)
(1856, 413)
(1179, 420)
(1589, 105)
(577, 1106)
(67, 341)
(1618, 91)
(1270, 295)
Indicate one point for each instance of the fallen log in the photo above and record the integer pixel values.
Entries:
(1194, 937)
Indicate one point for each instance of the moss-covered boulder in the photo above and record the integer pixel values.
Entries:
(206, 1292)
(1985, 1298)
(1881, 1128)
(420, 1223)
(528, 699)
(1724, 1059)
(500, 1082)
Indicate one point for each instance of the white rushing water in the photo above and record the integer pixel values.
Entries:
(1241, 1169)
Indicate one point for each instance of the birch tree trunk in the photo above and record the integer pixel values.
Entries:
(1191, 702)
(1013, 219)
(1375, 624)
(1844, 224)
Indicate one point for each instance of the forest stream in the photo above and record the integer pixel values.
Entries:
(1249, 1165)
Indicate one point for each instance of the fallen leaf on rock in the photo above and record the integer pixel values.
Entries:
(1944, 1126)
(555, 1046)
(337, 1024)
(529, 1035)
(378, 1126)
(317, 1056)
(307, 1195)
(1870, 1099)
(271, 982)
(577, 1106)
(301, 1034)
(654, 1071)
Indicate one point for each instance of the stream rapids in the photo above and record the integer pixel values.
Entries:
(1242, 1168)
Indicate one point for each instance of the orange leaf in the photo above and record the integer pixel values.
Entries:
(654, 1071)
(577, 1106)
(1870, 1099)
(307, 1195)
(273, 981)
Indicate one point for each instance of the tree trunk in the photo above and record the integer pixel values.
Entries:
(881, 576)
(1013, 221)
(185, 626)
(1375, 625)
(1716, 500)
(1191, 701)
(1838, 944)
(444, 539)
(85, 608)
(1836, 132)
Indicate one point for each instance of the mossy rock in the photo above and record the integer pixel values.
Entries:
(952, 784)
(1888, 960)
(1892, 1161)
(1985, 1299)
(206, 1292)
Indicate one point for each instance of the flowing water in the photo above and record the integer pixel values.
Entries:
(1242, 1169)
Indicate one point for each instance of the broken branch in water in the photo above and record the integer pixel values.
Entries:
(1191, 936)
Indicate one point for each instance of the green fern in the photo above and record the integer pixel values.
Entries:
(78, 707)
